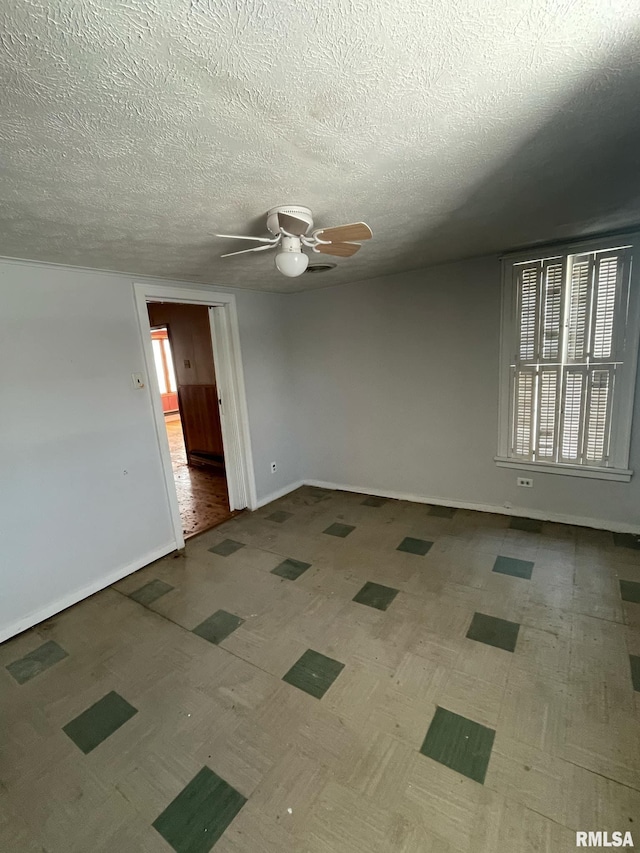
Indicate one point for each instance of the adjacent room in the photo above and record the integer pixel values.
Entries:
(183, 358)
(320, 436)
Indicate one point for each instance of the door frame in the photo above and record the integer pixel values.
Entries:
(234, 416)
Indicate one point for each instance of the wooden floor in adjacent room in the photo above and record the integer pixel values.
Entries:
(335, 673)
(202, 491)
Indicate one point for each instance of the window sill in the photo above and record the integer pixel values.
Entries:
(621, 475)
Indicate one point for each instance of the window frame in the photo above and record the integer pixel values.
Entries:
(623, 403)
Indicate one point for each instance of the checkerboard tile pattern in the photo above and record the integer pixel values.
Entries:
(335, 671)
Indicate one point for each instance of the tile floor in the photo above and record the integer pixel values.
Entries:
(335, 674)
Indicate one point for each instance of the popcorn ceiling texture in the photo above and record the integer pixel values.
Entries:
(131, 131)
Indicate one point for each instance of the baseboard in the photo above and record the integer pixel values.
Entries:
(273, 496)
(559, 518)
(37, 616)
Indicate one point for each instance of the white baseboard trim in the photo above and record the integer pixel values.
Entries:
(37, 616)
(559, 518)
(279, 494)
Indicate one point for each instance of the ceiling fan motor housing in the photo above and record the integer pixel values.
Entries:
(291, 210)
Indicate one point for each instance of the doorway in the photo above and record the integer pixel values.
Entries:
(185, 371)
(192, 352)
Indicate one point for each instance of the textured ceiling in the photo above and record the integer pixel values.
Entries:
(131, 130)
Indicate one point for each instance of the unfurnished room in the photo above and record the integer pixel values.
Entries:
(320, 426)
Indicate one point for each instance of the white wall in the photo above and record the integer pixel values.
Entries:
(397, 382)
(71, 424)
(388, 385)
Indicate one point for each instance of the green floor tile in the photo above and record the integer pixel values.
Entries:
(630, 591)
(459, 743)
(226, 547)
(376, 595)
(37, 661)
(218, 626)
(531, 525)
(634, 660)
(374, 501)
(99, 721)
(314, 673)
(290, 569)
(340, 530)
(199, 815)
(513, 567)
(414, 546)
(627, 540)
(280, 516)
(151, 592)
(493, 631)
(319, 494)
(442, 511)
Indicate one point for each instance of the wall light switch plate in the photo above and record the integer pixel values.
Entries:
(138, 380)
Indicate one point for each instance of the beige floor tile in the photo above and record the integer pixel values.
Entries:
(352, 694)
(534, 711)
(401, 716)
(420, 678)
(289, 790)
(377, 766)
(343, 820)
(326, 738)
(442, 651)
(446, 804)
(484, 662)
(253, 831)
(531, 777)
(517, 828)
(595, 801)
(471, 697)
(610, 749)
(543, 653)
(275, 656)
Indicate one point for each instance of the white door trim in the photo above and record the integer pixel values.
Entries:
(234, 417)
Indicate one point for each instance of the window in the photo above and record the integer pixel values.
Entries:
(163, 361)
(570, 328)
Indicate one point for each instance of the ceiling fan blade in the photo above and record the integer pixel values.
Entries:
(345, 233)
(246, 237)
(292, 225)
(340, 250)
(244, 251)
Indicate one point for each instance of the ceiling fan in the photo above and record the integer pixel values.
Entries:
(290, 226)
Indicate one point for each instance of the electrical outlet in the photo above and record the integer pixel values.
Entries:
(527, 482)
(274, 467)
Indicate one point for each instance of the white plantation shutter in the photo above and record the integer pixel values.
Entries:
(548, 397)
(524, 413)
(569, 334)
(573, 399)
(598, 414)
(528, 292)
(608, 273)
(578, 306)
(553, 279)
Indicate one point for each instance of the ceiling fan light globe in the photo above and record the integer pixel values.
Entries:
(292, 264)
